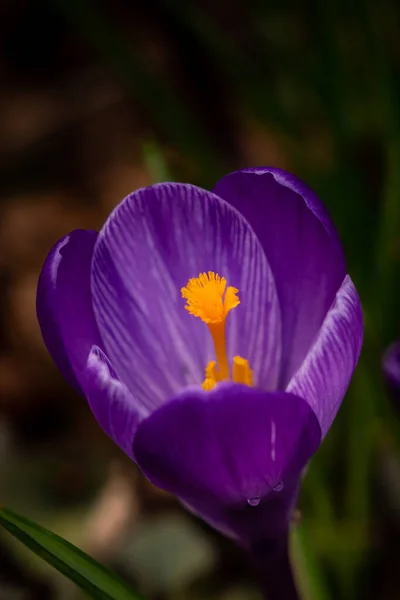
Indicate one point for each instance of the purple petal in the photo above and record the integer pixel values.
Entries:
(64, 304)
(217, 450)
(110, 401)
(65, 312)
(302, 248)
(324, 376)
(391, 366)
(153, 242)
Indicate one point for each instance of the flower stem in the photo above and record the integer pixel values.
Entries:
(273, 569)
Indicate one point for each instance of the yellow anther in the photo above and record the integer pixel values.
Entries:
(211, 371)
(241, 372)
(206, 297)
(211, 376)
(208, 384)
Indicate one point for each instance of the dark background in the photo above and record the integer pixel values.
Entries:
(98, 98)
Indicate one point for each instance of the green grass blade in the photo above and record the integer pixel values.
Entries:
(92, 577)
(156, 163)
(307, 568)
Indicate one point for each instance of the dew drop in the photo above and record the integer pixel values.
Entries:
(254, 501)
(278, 487)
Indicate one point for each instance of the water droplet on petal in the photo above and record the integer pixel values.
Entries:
(254, 501)
(278, 487)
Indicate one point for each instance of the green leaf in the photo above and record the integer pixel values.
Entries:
(92, 577)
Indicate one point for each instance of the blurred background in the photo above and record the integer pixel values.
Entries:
(100, 97)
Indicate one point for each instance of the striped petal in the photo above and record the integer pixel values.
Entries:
(152, 244)
(302, 247)
(110, 401)
(64, 304)
(324, 376)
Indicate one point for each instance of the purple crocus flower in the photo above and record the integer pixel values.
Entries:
(223, 403)
(391, 367)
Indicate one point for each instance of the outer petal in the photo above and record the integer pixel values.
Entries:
(217, 450)
(153, 242)
(391, 367)
(324, 376)
(64, 304)
(302, 247)
(110, 400)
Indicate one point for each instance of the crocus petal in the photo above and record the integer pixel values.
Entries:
(391, 366)
(110, 401)
(64, 304)
(302, 248)
(152, 243)
(325, 374)
(217, 450)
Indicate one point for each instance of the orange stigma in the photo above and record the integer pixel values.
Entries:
(208, 298)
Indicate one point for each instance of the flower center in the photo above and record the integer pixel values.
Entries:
(208, 298)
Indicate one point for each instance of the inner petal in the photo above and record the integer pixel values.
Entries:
(149, 248)
(303, 250)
